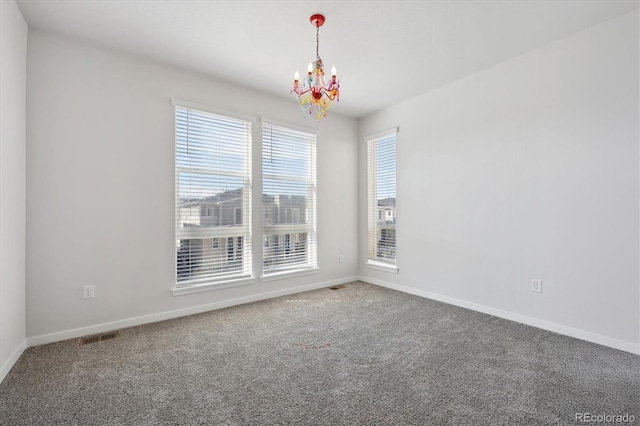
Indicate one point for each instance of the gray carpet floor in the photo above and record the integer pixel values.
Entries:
(361, 355)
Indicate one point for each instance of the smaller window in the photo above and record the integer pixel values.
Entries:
(381, 185)
(230, 254)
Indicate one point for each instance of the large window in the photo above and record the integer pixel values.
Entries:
(288, 199)
(381, 184)
(213, 197)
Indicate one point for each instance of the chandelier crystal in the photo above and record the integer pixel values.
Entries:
(314, 95)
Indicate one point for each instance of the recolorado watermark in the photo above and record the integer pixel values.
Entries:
(605, 418)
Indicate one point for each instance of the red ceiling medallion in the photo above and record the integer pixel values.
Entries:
(317, 20)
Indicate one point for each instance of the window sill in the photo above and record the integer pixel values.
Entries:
(379, 266)
(288, 274)
(197, 288)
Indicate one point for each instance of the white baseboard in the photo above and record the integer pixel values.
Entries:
(9, 363)
(131, 322)
(522, 319)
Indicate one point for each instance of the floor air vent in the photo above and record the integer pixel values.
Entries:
(94, 339)
(337, 287)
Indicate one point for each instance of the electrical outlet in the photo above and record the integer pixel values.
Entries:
(536, 285)
(87, 292)
(341, 258)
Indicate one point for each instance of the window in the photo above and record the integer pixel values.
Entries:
(381, 187)
(213, 195)
(289, 199)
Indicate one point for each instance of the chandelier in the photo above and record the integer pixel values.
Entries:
(313, 93)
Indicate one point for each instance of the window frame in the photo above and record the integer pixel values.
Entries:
(374, 213)
(245, 274)
(281, 230)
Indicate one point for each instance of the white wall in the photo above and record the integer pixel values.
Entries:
(13, 66)
(528, 169)
(100, 185)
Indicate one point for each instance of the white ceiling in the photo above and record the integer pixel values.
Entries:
(385, 51)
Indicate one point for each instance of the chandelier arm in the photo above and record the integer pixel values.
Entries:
(302, 92)
(329, 94)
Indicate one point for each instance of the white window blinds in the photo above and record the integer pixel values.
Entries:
(381, 184)
(288, 199)
(213, 197)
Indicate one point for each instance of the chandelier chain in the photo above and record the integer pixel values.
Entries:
(317, 41)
